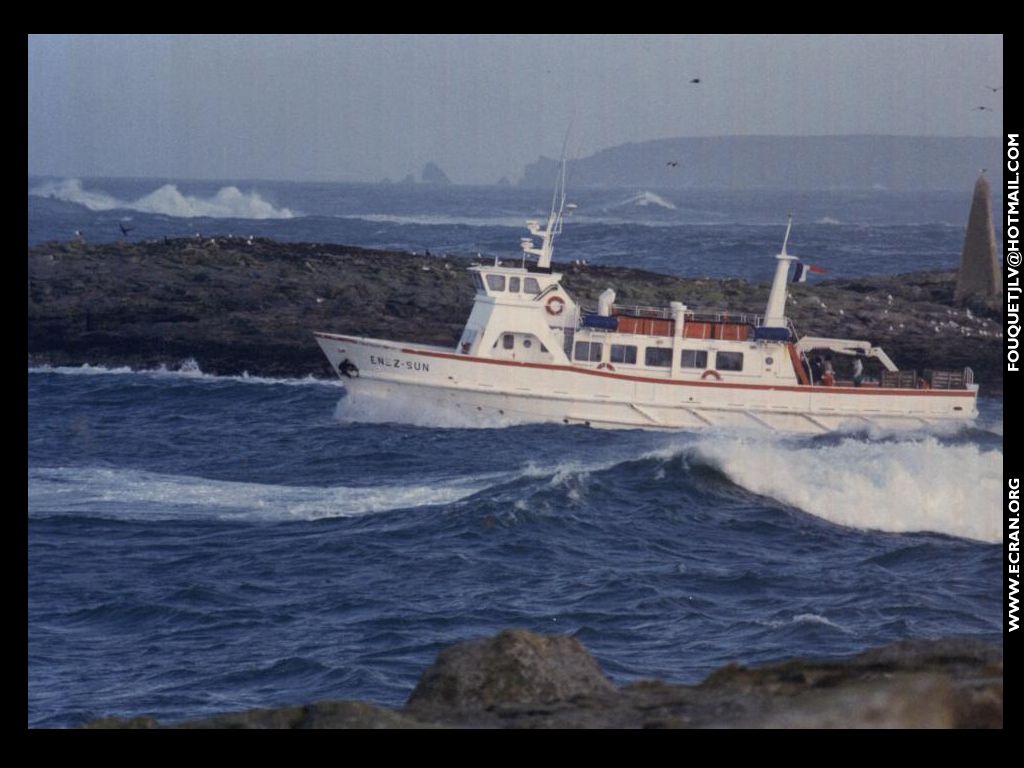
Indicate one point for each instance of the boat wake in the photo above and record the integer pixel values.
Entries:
(228, 202)
(370, 407)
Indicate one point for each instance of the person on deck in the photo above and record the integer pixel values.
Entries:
(828, 376)
(858, 372)
(816, 369)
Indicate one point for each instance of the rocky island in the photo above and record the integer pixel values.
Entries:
(251, 305)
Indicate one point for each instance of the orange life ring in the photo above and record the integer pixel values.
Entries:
(711, 375)
(555, 305)
(606, 367)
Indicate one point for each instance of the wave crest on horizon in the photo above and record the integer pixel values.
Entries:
(645, 200)
(227, 203)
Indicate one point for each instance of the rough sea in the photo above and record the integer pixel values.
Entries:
(201, 544)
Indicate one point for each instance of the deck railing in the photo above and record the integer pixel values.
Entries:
(692, 316)
(928, 379)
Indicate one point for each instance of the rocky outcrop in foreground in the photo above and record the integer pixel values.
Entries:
(239, 305)
(522, 680)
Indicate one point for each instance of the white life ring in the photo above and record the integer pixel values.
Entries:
(555, 305)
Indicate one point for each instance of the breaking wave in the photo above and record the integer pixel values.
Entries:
(940, 481)
(228, 202)
(645, 200)
(918, 484)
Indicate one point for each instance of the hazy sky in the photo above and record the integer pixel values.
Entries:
(367, 107)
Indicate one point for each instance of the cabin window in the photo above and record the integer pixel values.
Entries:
(479, 283)
(660, 357)
(530, 285)
(496, 282)
(693, 358)
(623, 353)
(543, 348)
(588, 351)
(513, 285)
(508, 341)
(729, 361)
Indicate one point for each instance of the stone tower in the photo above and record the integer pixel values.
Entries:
(980, 276)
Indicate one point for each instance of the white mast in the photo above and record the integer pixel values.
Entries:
(775, 311)
(554, 226)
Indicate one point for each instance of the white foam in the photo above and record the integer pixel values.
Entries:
(803, 618)
(81, 370)
(189, 369)
(373, 407)
(645, 199)
(917, 484)
(814, 618)
(828, 220)
(139, 495)
(228, 203)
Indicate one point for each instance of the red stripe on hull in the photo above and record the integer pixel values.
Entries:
(671, 382)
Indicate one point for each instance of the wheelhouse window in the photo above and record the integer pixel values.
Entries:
(513, 285)
(729, 361)
(658, 357)
(531, 286)
(693, 358)
(496, 282)
(479, 283)
(588, 351)
(623, 353)
(508, 341)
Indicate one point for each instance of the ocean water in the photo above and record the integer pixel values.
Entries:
(696, 233)
(202, 544)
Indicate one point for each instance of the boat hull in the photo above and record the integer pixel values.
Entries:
(531, 392)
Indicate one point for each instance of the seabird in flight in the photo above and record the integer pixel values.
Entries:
(673, 163)
(124, 230)
(994, 90)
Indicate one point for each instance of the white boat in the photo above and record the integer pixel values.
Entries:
(530, 352)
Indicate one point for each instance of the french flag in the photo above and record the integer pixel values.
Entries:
(800, 275)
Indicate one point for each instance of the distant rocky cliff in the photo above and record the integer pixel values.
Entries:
(781, 162)
(235, 305)
(432, 174)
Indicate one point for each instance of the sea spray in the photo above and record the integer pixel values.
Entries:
(227, 203)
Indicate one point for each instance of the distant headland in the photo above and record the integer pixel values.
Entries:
(894, 163)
